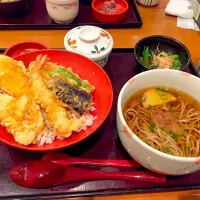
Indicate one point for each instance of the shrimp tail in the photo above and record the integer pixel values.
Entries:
(41, 61)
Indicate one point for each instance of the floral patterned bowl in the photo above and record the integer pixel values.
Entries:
(90, 41)
(147, 156)
(62, 11)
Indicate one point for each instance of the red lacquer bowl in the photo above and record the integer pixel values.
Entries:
(24, 47)
(106, 17)
(102, 96)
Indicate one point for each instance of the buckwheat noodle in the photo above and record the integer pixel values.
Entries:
(138, 119)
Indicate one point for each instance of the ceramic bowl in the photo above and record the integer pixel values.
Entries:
(148, 3)
(166, 44)
(15, 8)
(24, 47)
(147, 156)
(90, 41)
(62, 11)
(107, 17)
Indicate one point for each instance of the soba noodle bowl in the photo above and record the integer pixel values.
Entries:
(166, 119)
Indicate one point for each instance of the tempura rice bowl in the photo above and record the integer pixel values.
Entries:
(149, 157)
(98, 110)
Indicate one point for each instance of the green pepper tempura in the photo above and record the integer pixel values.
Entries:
(71, 77)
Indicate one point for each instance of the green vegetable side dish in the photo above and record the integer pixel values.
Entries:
(68, 76)
(159, 59)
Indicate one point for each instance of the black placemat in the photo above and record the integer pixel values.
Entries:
(38, 19)
(104, 144)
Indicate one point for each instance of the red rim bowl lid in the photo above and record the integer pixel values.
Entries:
(24, 47)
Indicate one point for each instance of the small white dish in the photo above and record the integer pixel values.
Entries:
(147, 156)
(90, 41)
(62, 11)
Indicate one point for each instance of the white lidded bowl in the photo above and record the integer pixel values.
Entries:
(147, 156)
(90, 41)
(62, 11)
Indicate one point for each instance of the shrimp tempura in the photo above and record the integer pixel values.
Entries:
(56, 114)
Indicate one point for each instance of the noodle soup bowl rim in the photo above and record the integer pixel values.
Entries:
(120, 119)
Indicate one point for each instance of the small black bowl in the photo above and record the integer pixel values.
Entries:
(14, 8)
(166, 44)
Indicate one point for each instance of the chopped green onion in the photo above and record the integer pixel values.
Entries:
(163, 88)
(181, 133)
(151, 126)
(187, 150)
(167, 150)
(67, 75)
(162, 93)
(170, 133)
(175, 137)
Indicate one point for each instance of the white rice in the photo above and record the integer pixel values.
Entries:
(48, 135)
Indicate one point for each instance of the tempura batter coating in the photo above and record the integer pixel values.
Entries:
(21, 117)
(13, 77)
(58, 117)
